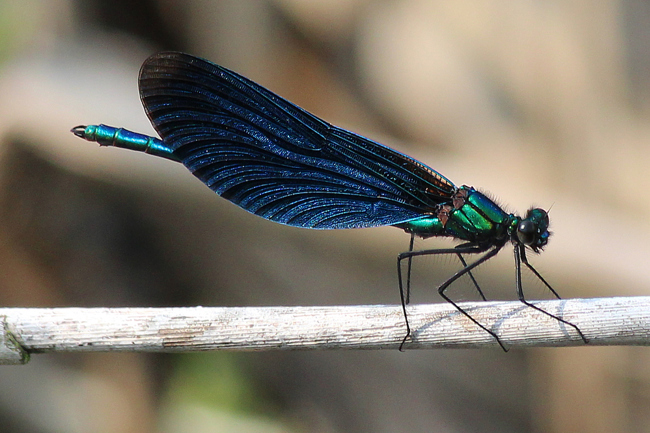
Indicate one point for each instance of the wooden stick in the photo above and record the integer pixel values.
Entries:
(604, 321)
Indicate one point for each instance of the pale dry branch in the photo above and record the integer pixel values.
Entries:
(604, 321)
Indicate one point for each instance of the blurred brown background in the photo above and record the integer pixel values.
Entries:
(540, 102)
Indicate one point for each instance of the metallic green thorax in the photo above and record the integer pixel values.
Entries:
(120, 137)
(471, 216)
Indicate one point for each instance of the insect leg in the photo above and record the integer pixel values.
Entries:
(461, 249)
(464, 263)
(408, 267)
(520, 256)
(466, 269)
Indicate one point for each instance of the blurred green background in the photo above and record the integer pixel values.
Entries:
(538, 103)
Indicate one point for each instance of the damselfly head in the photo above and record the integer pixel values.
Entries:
(532, 231)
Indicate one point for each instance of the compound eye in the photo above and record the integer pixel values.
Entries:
(526, 232)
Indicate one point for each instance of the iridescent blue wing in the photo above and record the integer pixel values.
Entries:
(276, 160)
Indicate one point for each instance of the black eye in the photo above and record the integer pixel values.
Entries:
(526, 231)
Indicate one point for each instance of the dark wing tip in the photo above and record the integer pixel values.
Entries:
(157, 60)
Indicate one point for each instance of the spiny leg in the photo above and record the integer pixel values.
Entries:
(466, 269)
(403, 300)
(458, 254)
(467, 248)
(408, 273)
(464, 263)
(409, 255)
(461, 249)
(524, 259)
(520, 256)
